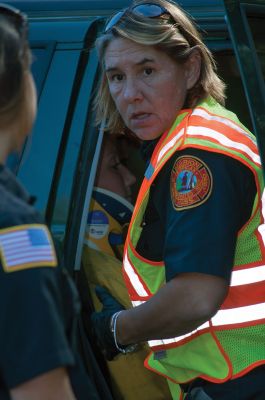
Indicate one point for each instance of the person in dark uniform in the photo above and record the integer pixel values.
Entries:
(39, 304)
(195, 250)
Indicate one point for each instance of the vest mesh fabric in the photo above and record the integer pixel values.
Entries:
(247, 248)
(245, 346)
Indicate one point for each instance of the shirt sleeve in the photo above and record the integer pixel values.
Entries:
(200, 234)
(33, 319)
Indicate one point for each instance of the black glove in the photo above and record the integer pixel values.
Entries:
(101, 322)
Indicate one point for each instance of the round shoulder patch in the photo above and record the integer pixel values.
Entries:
(190, 182)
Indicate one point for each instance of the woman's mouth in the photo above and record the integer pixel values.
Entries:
(140, 116)
(139, 120)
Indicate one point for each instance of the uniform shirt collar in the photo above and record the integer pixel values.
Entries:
(9, 181)
(147, 149)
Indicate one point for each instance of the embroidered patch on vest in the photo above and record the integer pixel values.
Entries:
(190, 183)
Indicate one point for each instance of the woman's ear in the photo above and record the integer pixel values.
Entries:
(193, 68)
(26, 112)
(29, 106)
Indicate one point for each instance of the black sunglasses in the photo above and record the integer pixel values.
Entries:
(16, 17)
(148, 10)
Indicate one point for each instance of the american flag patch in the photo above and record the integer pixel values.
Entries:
(26, 246)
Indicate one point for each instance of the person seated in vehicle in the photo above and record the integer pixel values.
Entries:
(109, 215)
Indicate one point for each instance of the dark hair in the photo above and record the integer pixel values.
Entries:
(15, 60)
(177, 39)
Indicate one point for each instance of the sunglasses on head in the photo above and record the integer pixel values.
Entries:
(148, 10)
(15, 17)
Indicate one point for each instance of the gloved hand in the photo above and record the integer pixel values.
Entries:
(101, 322)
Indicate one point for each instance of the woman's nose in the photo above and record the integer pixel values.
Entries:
(128, 178)
(132, 90)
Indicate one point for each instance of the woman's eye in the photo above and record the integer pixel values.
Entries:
(113, 162)
(148, 71)
(116, 165)
(116, 77)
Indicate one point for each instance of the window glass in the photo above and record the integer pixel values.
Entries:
(236, 99)
(40, 155)
(82, 112)
(41, 57)
(256, 24)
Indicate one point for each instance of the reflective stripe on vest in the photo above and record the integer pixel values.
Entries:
(224, 140)
(238, 277)
(170, 144)
(229, 123)
(261, 228)
(248, 147)
(134, 277)
(234, 316)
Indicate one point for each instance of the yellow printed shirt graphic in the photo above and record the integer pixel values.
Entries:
(102, 266)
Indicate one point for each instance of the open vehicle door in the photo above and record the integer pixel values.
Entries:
(246, 24)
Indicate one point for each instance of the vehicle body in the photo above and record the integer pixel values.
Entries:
(58, 163)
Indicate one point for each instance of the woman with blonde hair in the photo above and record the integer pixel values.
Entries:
(195, 250)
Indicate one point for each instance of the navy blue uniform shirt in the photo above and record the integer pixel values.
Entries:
(200, 238)
(38, 303)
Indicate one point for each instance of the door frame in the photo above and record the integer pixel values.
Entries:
(248, 62)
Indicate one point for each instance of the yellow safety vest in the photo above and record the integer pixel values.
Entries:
(232, 342)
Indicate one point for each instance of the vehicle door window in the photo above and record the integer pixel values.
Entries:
(236, 99)
(256, 24)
